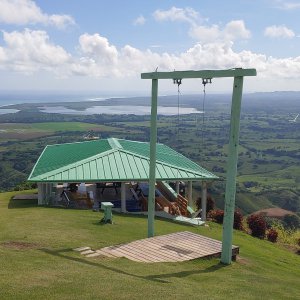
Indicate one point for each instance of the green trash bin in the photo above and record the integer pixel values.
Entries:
(107, 206)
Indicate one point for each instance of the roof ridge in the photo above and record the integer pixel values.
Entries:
(114, 143)
(80, 142)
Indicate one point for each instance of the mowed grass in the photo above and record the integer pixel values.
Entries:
(17, 131)
(37, 261)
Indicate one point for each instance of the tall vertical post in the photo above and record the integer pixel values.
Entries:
(203, 201)
(40, 193)
(226, 255)
(153, 139)
(123, 197)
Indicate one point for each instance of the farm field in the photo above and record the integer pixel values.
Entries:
(20, 131)
(269, 151)
(36, 252)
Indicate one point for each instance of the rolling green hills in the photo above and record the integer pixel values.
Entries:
(37, 260)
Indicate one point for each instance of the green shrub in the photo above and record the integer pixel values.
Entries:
(291, 222)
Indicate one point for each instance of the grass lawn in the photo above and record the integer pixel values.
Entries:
(28, 131)
(37, 261)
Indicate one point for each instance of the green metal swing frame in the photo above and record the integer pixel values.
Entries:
(238, 74)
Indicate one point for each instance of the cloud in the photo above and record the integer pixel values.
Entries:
(139, 20)
(24, 12)
(233, 30)
(31, 51)
(174, 14)
(287, 5)
(280, 31)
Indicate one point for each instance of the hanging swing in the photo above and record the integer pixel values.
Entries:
(238, 75)
(204, 82)
(178, 189)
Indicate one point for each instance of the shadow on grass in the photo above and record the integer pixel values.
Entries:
(61, 254)
(22, 203)
(162, 278)
(182, 274)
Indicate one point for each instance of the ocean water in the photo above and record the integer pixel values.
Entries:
(9, 98)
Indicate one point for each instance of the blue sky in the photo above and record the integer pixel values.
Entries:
(105, 45)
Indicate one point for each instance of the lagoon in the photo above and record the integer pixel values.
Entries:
(120, 110)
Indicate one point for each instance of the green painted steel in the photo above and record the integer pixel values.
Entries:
(115, 160)
(61, 155)
(231, 170)
(199, 74)
(152, 168)
(238, 74)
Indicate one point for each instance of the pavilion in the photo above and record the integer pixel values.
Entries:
(113, 160)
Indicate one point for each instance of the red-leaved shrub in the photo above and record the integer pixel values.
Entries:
(272, 235)
(210, 204)
(257, 225)
(238, 220)
(218, 216)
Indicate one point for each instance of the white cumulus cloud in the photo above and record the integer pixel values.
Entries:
(23, 12)
(31, 51)
(233, 30)
(187, 14)
(280, 31)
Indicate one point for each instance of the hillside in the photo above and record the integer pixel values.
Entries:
(37, 260)
(268, 173)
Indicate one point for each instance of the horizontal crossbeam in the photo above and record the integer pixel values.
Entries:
(237, 72)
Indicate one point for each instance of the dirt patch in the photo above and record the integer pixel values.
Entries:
(275, 212)
(20, 245)
(243, 261)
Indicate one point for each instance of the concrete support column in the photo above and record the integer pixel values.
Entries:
(123, 197)
(190, 194)
(53, 192)
(48, 193)
(44, 193)
(40, 193)
(177, 187)
(203, 200)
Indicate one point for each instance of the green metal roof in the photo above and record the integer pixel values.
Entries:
(112, 160)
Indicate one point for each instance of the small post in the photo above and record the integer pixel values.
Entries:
(203, 201)
(231, 170)
(177, 187)
(190, 193)
(123, 197)
(153, 139)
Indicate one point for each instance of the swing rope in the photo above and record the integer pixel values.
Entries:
(204, 82)
(178, 82)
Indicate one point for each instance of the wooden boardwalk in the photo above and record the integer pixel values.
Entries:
(174, 247)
